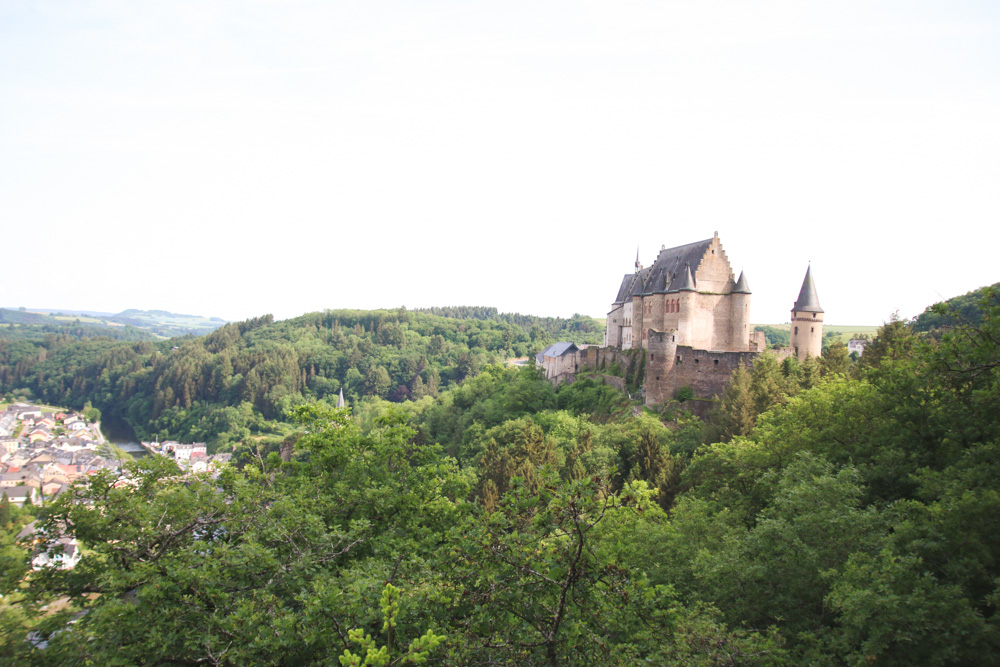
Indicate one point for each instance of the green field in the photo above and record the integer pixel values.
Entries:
(85, 320)
(846, 331)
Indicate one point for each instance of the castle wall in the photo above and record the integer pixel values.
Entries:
(670, 366)
(556, 366)
(627, 325)
(613, 329)
(638, 332)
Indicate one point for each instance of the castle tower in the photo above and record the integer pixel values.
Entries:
(807, 321)
(637, 306)
(687, 294)
(660, 361)
(740, 317)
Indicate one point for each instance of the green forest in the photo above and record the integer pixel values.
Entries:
(242, 379)
(832, 512)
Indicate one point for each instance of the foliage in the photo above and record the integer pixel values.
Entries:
(776, 338)
(836, 518)
(962, 310)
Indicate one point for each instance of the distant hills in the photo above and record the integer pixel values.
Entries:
(159, 323)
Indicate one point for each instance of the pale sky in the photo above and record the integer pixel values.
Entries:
(237, 158)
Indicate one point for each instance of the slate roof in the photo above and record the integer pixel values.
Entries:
(742, 287)
(667, 272)
(555, 350)
(808, 301)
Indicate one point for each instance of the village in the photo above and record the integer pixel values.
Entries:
(43, 451)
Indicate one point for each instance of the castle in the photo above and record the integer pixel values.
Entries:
(692, 318)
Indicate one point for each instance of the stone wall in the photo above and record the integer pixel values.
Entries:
(670, 366)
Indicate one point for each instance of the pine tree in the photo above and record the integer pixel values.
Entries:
(4, 511)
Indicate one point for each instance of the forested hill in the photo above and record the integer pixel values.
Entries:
(966, 309)
(832, 512)
(579, 328)
(225, 386)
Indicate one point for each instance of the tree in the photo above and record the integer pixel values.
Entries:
(4, 511)
(736, 414)
(836, 359)
(415, 654)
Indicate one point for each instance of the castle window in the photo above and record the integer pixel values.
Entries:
(814, 314)
(696, 361)
(652, 356)
(796, 331)
(678, 358)
(812, 329)
(716, 362)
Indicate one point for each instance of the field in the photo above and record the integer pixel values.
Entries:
(846, 331)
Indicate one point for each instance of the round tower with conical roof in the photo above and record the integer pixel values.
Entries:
(807, 321)
(739, 338)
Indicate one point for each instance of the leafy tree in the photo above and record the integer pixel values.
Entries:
(415, 654)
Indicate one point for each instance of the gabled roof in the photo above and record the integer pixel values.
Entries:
(667, 272)
(808, 301)
(555, 350)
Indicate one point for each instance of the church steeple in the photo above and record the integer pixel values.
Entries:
(340, 399)
(638, 266)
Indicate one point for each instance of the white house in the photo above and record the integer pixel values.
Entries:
(63, 554)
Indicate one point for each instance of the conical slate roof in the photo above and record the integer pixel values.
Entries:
(808, 301)
(688, 284)
(742, 287)
(340, 399)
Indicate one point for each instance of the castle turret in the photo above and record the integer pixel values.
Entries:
(807, 321)
(637, 330)
(660, 361)
(687, 294)
(740, 315)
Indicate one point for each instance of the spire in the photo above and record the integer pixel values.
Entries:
(688, 284)
(340, 399)
(741, 285)
(638, 266)
(808, 302)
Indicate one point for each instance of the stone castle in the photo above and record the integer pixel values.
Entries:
(692, 319)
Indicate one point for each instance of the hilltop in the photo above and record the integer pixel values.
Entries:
(155, 323)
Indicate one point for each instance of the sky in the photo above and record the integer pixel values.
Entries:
(238, 158)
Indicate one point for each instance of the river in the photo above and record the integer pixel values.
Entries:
(117, 431)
